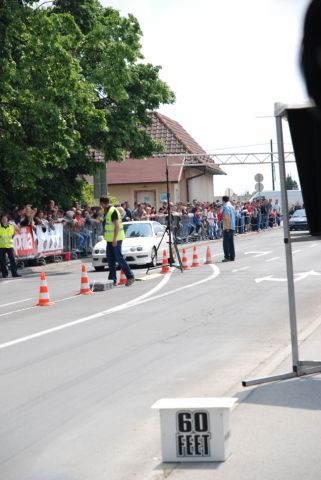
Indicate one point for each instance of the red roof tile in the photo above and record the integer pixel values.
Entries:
(152, 169)
(173, 135)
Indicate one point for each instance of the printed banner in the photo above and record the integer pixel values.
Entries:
(50, 240)
(25, 243)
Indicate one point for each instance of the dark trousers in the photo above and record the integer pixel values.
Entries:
(114, 256)
(228, 244)
(3, 261)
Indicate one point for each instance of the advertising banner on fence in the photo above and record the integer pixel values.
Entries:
(50, 240)
(25, 243)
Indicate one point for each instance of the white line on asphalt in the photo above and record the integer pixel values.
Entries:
(6, 282)
(272, 259)
(17, 311)
(295, 251)
(64, 299)
(313, 245)
(259, 254)
(239, 269)
(18, 301)
(118, 308)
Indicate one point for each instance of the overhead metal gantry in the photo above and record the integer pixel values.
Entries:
(261, 158)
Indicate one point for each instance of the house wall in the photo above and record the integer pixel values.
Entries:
(127, 192)
(201, 188)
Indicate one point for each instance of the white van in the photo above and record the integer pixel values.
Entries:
(294, 196)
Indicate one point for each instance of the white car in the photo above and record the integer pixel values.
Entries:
(139, 247)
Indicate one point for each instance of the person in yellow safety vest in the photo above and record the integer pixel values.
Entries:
(114, 236)
(7, 232)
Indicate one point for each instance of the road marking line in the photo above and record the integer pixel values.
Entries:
(295, 251)
(18, 311)
(6, 282)
(239, 269)
(148, 277)
(132, 303)
(18, 301)
(64, 299)
(298, 277)
(314, 245)
(259, 254)
(272, 259)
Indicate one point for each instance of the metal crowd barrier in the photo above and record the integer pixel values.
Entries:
(81, 240)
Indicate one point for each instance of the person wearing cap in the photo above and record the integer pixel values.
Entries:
(114, 236)
(7, 232)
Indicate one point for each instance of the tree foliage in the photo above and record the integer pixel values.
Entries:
(72, 78)
(290, 183)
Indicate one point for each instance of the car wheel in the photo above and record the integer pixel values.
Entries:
(153, 262)
(99, 269)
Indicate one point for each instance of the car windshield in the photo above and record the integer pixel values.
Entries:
(299, 213)
(136, 230)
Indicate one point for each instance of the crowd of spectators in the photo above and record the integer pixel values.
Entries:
(190, 221)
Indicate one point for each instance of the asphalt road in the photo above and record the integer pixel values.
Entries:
(78, 378)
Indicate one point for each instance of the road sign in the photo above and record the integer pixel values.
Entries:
(259, 187)
(259, 177)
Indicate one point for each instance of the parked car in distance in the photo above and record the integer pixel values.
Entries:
(298, 221)
(139, 247)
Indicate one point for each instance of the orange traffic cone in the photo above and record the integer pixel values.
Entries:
(84, 282)
(44, 299)
(209, 259)
(165, 266)
(184, 260)
(122, 278)
(195, 258)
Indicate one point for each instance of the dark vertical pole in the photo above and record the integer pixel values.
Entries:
(272, 166)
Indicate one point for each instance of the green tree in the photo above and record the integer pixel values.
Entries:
(290, 183)
(71, 78)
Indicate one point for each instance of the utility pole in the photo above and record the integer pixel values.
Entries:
(272, 166)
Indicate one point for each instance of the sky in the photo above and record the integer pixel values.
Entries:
(228, 62)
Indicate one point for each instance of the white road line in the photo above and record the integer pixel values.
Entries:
(258, 254)
(239, 269)
(295, 251)
(70, 298)
(272, 259)
(6, 282)
(313, 245)
(13, 303)
(18, 311)
(118, 308)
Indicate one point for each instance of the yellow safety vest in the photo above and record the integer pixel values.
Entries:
(6, 234)
(110, 227)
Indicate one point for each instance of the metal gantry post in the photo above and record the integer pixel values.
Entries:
(287, 244)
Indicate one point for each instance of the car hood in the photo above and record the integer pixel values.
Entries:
(137, 241)
(100, 245)
(298, 219)
(129, 242)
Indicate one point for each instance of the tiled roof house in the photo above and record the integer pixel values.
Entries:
(144, 180)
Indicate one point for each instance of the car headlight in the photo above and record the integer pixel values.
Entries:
(133, 249)
(139, 249)
(102, 250)
(96, 251)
